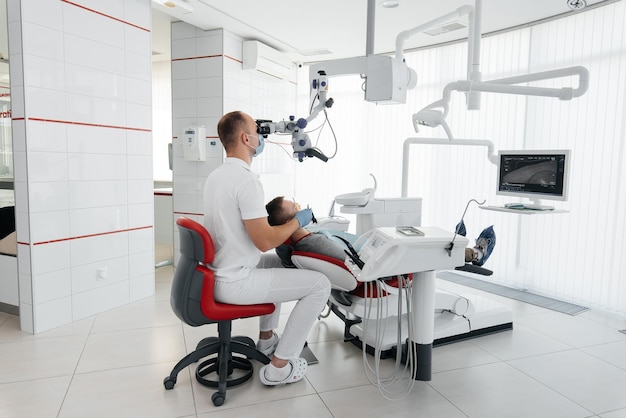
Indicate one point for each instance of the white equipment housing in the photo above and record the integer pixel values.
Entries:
(265, 59)
(194, 143)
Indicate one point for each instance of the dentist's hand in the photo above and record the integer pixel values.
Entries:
(304, 217)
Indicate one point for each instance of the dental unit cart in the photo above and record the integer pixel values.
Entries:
(388, 252)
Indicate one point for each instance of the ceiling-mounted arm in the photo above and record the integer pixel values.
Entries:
(430, 116)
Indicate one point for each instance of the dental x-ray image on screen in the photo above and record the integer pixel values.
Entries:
(534, 174)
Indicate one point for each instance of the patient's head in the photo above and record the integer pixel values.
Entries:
(281, 210)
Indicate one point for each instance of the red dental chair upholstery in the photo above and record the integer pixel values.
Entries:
(192, 300)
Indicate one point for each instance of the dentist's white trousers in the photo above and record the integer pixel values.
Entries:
(271, 283)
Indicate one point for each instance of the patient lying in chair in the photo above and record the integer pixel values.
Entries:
(281, 210)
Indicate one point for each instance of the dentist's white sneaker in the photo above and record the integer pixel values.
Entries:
(268, 346)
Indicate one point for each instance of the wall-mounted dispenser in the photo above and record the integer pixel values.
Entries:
(194, 143)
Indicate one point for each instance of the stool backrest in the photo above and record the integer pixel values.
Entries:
(196, 249)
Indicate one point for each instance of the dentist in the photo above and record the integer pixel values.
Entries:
(235, 216)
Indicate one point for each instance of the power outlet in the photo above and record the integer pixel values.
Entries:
(101, 273)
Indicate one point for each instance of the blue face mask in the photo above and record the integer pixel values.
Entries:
(258, 150)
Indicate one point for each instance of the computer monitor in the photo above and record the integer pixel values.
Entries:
(533, 174)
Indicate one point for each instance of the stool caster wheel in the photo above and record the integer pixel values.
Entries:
(218, 399)
(169, 382)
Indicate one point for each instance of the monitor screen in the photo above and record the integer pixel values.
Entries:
(534, 174)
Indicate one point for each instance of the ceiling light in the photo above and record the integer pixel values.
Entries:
(390, 4)
(176, 5)
(576, 4)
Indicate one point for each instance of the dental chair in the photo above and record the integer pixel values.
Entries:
(456, 317)
(193, 302)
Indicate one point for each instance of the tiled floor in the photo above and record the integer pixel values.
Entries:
(113, 365)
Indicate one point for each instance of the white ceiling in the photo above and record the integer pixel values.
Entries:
(298, 27)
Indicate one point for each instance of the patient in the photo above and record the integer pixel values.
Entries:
(281, 210)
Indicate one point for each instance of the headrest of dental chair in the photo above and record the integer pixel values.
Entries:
(340, 277)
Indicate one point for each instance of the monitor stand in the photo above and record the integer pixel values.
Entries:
(533, 205)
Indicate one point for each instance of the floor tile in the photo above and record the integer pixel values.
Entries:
(586, 380)
(40, 358)
(128, 392)
(17, 398)
(127, 348)
(575, 331)
(499, 390)
(614, 353)
(366, 401)
(309, 406)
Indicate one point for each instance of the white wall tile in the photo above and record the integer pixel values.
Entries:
(183, 48)
(88, 303)
(89, 194)
(140, 191)
(187, 184)
(47, 166)
(95, 110)
(138, 142)
(137, 40)
(138, 116)
(52, 314)
(50, 257)
(187, 88)
(20, 170)
(42, 41)
(92, 167)
(184, 69)
(44, 72)
(184, 108)
(26, 318)
(96, 27)
(140, 167)
(95, 140)
(141, 215)
(44, 103)
(25, 289)
(210, 87)
(51, 285)
(13, 10)
(15, 41)
(44, 13)
(233, 46)
(92, 54)
(137, 66)
(138, 13)
(46, 136)
(102, 247)
(17, 101)
(210, 106)
(48, 196)
(22, 227)
(142, 287)
(89, 221)
(141, 240)
(139, 91)
(181, 30)
(141, 264)
(186, 203)
(49, 226)
(211, 67)
(210, 44)
(85, 277)
(92, 82)
(113, 8)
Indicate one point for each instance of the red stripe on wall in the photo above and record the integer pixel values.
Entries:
(189, 213)
(99, 125)
(197, 58)
(105, 15)
(90, 235)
